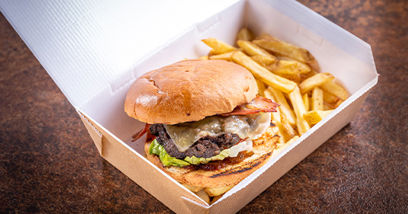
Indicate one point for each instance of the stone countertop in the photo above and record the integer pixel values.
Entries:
(48, 162)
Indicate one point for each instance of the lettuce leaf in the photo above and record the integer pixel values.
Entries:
(165, 158)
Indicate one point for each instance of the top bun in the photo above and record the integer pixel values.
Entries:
(189, 90)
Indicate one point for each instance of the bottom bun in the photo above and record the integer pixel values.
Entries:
(217, 182)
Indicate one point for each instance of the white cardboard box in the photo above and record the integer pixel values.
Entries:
(95, 50)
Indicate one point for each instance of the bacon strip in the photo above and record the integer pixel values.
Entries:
(259, 104)
(140, 133)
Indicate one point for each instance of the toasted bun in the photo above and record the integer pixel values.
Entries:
(216, 182)
(189, 90)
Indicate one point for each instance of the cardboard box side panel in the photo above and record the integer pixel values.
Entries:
(286, 160)
(148, 176)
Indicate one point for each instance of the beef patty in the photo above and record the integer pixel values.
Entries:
(204, 147)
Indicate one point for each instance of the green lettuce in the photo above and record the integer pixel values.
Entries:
(167, 160)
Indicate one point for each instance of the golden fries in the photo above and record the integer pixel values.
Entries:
(263, 60)
(216, 191)
(306, 101)
(317, 99)
(258, 71)
(245, 34)
(290, 73)
(275, 45)
(315, 116)
(284, 107)
(289, 67)
(261, 87)
(293, 139)
(203, 58)
(253, 50)
(203, 195)
(330, 98)
(217, 46)
(336, 89)
(224, 56)
(315, 81)
(286, 129)
(299, 107)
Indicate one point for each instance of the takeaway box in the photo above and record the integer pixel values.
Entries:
(94, 51)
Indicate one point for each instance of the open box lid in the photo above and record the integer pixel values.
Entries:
(84, 45)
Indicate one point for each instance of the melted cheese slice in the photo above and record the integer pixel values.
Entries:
(249, 126)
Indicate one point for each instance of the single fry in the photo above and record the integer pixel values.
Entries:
(289, 67)
(263, 60)
(276, 116)
(193, 188)
(218, 47)
(224, 56)
(258, 71)
(203, 58)
(317, 99)
(245, 34)
(261, 87)
(330, 98)
(306, 102)
(284, 107)
(253, 50)
(275, 45)
(293, 139)
(216, 191)
(315, 116)
(315, 81)
(299, 107)
(336, 89)
(287, 130)
(203, 195)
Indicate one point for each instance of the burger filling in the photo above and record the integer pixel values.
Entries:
(210, 139)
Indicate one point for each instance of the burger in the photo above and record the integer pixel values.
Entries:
(205, 125)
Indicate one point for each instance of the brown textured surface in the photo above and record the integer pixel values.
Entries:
(48, 162)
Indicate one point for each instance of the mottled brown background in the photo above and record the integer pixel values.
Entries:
(48, 162)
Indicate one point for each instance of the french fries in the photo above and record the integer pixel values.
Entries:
(203, 195)
(315, 81)
(216, 191)
(317, 99)
(336, 89)
(275, 45)
(253, 50)
(284, 107)
(293, 139)
(203, 58)
(224, 56)
(289, 67)
(217, 46)
(299, 107)
(330, 98)
(315, 116)
(286, 129)
(263, 60)
(262, 73)
(306, 101)
(245, 34)
(261, 87)
(291, 74)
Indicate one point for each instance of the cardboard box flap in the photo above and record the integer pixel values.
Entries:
(84, 45)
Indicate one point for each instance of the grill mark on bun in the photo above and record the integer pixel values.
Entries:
(244, 168)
